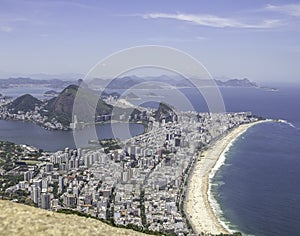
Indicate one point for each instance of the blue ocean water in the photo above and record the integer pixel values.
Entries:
(258, 187)
(37, 91)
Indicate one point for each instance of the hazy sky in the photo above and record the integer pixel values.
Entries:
(256, 39)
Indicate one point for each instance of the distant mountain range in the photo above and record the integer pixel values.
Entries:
(42, 76)
(164, 81)
(21, 81)
(127, 82)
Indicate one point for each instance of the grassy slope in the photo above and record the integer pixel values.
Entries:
(18, 219)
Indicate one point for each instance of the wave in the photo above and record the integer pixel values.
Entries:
(219, 213)
(220, 162)
(212, 200)
(288, 123)
(211, 196)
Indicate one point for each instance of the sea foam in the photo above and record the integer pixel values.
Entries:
(212, 200)
(288, 123)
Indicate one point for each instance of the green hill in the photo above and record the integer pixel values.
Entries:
(24, 103)
(61, 107)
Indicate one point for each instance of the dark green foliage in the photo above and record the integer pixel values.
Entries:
(142, 204)
(9, 153)
(61, 107)
(24, 103)
(55, 189)
(10, 180)
(234, 234)
(258, 117)
(56, 165)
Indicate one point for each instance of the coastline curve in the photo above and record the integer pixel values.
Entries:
(200, 204)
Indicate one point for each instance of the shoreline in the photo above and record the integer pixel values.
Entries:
(199, 203)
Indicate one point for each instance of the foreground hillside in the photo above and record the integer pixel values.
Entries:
(18, 219)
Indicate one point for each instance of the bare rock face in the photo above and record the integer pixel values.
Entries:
(17, 219)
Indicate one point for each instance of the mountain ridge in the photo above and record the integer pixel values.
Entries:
(127, 82)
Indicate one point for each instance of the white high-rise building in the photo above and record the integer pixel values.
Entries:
(36, 194)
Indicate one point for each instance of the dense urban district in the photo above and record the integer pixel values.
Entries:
(138, 183)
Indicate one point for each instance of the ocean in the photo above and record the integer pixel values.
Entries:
(35, 90)
(258, 187)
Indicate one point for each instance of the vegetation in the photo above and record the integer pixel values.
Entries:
(61, 107)
(142, 205)
(9, 153)
(258, 117)
(110, 144)
(234, 234)
(10, 157)
(109, 222)
(55, 189)
(7, 181)
(24, 103)
(110, 208)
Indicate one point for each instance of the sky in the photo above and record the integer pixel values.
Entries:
(254, 39)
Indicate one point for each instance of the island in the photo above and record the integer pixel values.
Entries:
(51, 93)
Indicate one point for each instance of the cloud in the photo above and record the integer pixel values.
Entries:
(15, 20)
(288, 9)
(175, 40)
(6, 29)
(214, 21)
(70, 3)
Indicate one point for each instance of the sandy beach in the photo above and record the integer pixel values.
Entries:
(197, 205)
